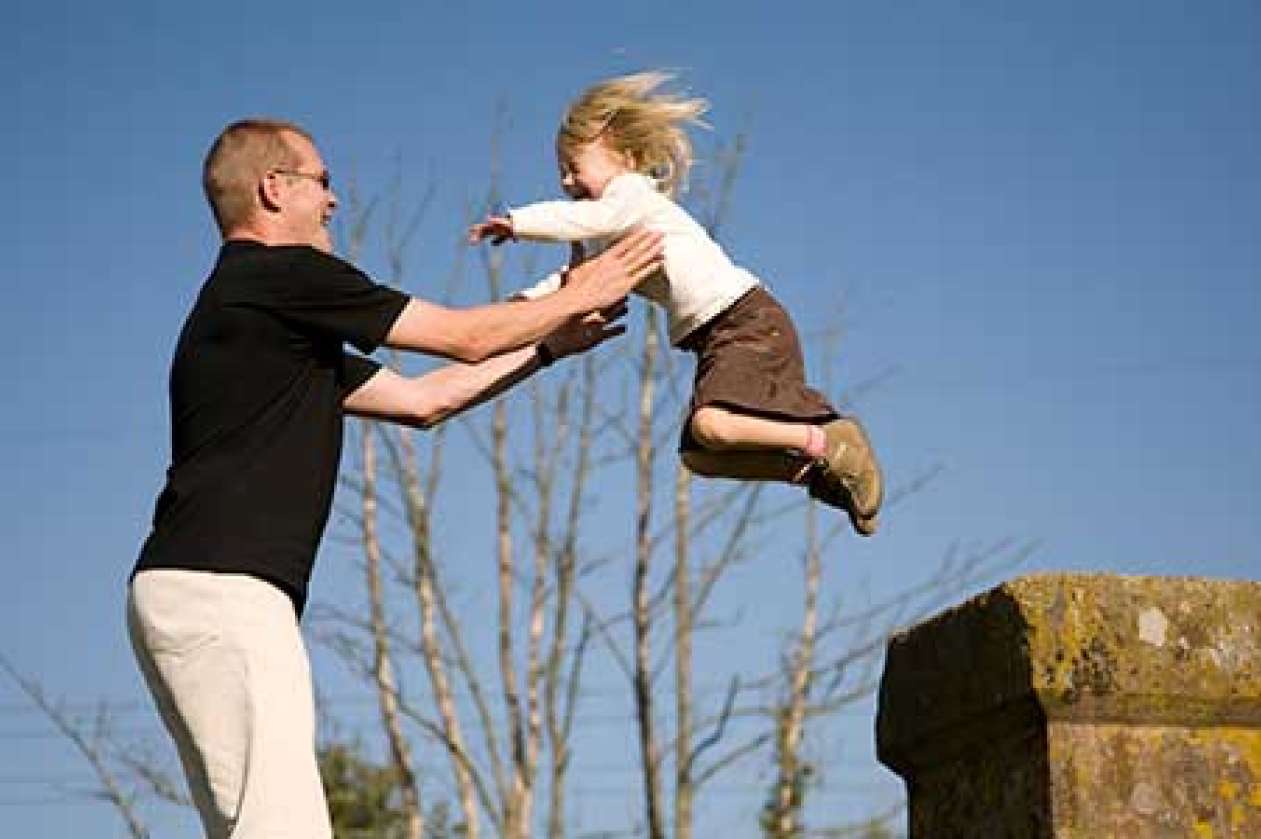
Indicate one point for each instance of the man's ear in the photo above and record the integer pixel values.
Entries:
(269, 191)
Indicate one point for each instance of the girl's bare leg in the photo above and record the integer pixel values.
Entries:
(756, 448)
(719, 429)
(749, 447)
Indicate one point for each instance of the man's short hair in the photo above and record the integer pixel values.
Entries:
(240, 157)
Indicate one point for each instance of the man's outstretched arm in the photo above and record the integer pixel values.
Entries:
(425, 401)
(480, 333)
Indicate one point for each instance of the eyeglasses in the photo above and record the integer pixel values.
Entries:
(321, 178)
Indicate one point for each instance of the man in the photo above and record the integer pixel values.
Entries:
(259, 385)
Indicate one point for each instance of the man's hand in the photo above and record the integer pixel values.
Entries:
(604, 280)
(586, 331)
(496, 228)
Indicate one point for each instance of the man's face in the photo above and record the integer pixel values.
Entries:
(306, 201)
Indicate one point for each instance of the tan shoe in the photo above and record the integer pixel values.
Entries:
(849, 476)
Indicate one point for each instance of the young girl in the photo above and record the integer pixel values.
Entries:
(623, 153)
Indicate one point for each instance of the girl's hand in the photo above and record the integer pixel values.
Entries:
(496, 228)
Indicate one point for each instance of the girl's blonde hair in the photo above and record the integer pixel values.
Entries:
(634, 117)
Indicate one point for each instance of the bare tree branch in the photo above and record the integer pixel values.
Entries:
(649, 756)
(382, 666)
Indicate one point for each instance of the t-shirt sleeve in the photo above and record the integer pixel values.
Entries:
(355, 371)
(329, 295)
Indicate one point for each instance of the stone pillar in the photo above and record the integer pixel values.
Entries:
(1083, 707)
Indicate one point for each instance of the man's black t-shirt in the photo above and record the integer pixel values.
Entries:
(257, 385)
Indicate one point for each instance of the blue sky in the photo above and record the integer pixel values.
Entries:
(1042, 218)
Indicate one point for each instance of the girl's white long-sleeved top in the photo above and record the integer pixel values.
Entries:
(699, 280)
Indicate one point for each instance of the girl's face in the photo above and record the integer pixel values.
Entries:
(586, 170)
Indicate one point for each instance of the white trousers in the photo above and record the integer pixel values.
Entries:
(225, 661)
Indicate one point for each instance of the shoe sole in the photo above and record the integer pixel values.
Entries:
(864, 526)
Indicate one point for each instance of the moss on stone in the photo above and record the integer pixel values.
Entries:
(1133, 705)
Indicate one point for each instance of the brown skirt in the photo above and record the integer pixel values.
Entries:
(748, 359)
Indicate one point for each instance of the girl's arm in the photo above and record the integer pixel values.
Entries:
(625, 203)
(475, 334)
(553, 281)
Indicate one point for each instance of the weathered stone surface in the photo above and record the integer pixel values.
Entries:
(1081, 706)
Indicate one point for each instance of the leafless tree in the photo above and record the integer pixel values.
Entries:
(547, 627)
(540, 647)
(537, 674)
